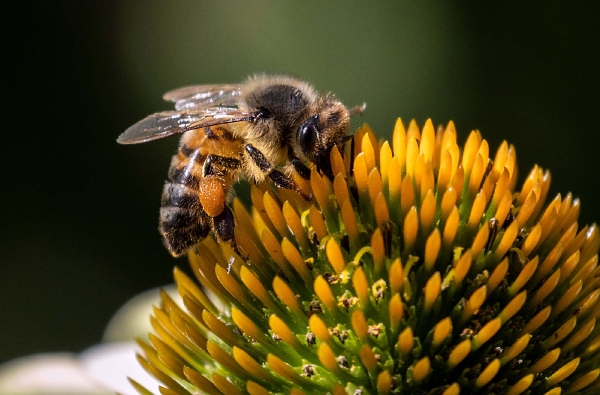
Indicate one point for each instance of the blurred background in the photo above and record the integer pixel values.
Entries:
(78, 232)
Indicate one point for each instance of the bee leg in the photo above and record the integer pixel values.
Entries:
(224, 224)
(299, 167)
(281, 180)
(259, 158)
(215, 160)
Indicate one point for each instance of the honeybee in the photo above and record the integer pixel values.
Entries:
(267, 126)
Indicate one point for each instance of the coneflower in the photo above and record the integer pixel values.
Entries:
(418, 269)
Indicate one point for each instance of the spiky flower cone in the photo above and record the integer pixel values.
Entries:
(418, 270)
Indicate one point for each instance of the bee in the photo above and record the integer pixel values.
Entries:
(268, 127)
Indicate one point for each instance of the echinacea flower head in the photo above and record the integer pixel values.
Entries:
(419, 268)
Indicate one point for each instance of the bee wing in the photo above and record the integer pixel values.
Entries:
(169, 123)
(204, 96)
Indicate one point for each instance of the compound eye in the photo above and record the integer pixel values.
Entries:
(307, 138)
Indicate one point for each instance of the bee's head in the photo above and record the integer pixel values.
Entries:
(323, 130)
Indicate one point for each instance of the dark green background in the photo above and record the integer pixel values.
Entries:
(79, 212)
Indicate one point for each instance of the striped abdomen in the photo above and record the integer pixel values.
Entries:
(194, 197)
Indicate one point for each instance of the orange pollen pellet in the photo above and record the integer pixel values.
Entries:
(212, 195)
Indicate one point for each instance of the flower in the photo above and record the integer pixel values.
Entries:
(417, 269)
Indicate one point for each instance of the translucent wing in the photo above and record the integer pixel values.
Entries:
(169, 123)
(204, 96)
